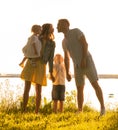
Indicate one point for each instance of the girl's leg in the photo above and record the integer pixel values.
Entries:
(26, 94)
(38, 89)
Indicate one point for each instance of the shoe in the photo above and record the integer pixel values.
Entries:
(102, 112)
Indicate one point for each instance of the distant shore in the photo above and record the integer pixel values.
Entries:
(103, 76)
(9, 75)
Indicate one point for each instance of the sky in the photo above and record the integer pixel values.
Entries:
(97, 19)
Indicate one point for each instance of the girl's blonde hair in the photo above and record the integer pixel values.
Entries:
(58, 59)
(35, 28)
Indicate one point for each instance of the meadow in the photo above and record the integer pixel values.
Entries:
(12, 118)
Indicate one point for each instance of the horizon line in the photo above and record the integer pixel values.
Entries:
(99, 75)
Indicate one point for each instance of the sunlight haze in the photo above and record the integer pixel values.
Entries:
(96, 18)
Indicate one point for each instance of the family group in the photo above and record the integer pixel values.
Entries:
(40, 51)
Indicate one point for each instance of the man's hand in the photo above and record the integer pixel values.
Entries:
(68, 76)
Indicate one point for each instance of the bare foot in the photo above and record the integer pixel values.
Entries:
(21, 65)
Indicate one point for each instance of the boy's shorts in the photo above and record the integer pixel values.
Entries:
(58, 92)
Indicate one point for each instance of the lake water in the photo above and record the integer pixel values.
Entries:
(14, 87)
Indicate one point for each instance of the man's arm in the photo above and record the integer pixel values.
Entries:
(66, 59)
(67, 62)
(85, 49)
(67, 65)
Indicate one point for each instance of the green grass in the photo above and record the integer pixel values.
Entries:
(11, 117)
(64, 121)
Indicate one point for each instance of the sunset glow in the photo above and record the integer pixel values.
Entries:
(96, 18)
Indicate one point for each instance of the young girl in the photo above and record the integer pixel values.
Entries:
(58, 91)
(32, 49)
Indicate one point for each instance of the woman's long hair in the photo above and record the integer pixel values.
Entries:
(46, 32)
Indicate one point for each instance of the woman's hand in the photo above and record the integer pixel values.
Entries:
(52, 77)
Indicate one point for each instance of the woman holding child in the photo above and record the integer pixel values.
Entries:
(37, 74)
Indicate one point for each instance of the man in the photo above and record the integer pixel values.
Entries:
(75, 46)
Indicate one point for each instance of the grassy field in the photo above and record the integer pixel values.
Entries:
(68, 120)
(11, 117)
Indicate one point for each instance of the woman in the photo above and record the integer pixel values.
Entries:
(37, 75)
(48, 45)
